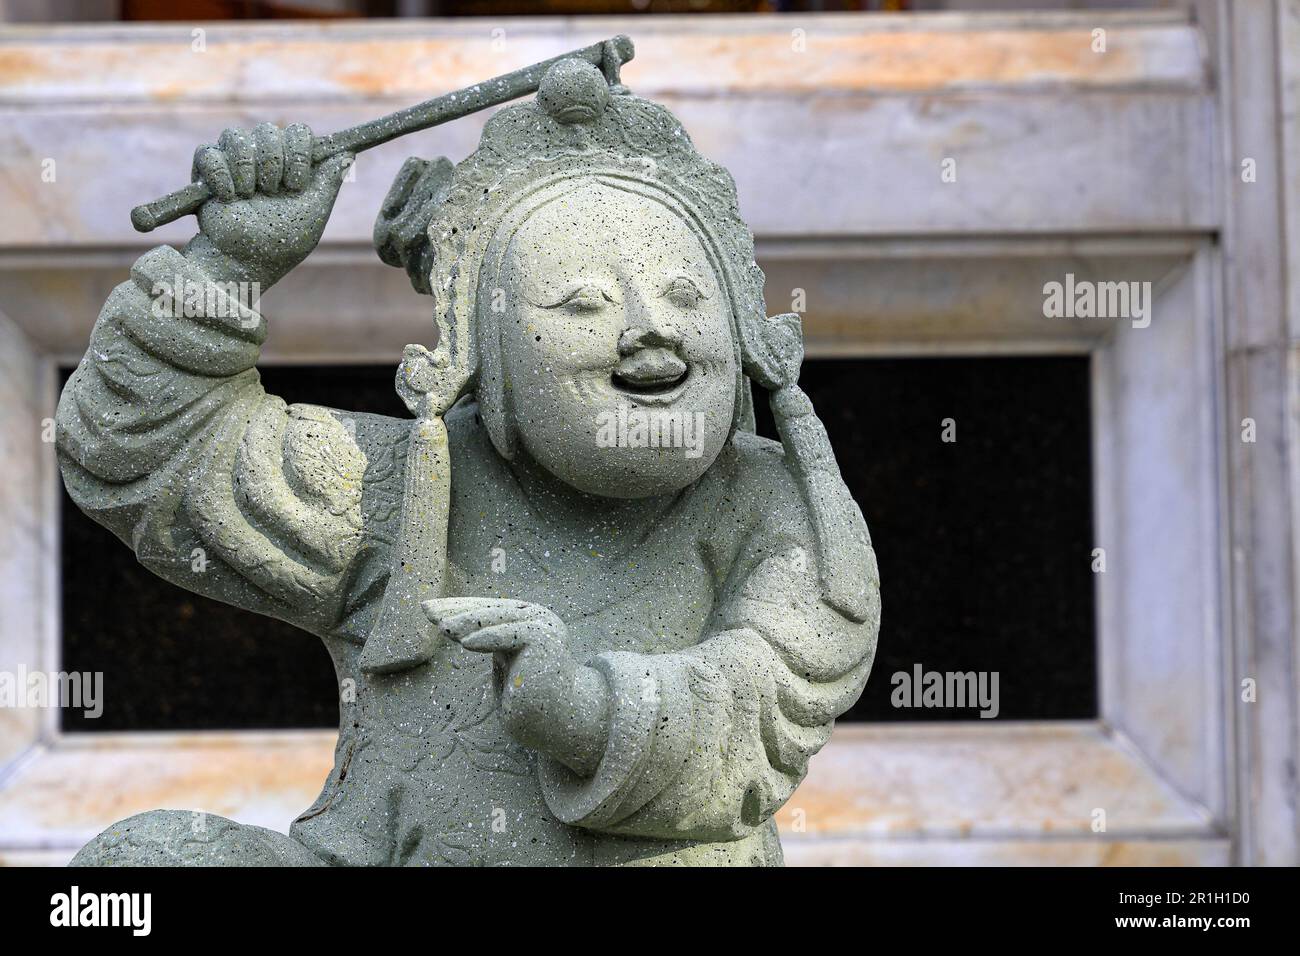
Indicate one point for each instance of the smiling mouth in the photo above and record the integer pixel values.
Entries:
(650, 373)
(654, 386)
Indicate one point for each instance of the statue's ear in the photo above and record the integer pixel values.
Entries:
(401, 234)
(771, 350)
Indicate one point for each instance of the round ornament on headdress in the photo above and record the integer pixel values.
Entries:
(573, 91)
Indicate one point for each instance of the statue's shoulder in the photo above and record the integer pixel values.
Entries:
(754, 478)
(384, 442)
(748, 495)
(380, 438)
(759, 465)
(336, 444)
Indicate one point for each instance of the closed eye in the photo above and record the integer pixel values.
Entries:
(681, 291)
(581, 298)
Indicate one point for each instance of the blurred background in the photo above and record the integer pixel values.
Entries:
(54, 11)
(1097, 513)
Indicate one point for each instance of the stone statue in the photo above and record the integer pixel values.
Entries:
(580, 613)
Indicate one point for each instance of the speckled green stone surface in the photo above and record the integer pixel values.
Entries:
(579, 612)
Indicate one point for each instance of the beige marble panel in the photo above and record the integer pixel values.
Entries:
(1047, 135)
(963, 781)
(1097, 852)
(69, 793)
(866, 296)
(26, 538)
(876, 794)
(745, 55)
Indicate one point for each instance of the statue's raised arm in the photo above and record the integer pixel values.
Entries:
(165, 434)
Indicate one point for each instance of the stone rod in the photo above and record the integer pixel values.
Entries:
(609, 55)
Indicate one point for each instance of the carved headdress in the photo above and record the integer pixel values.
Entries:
(578, 128)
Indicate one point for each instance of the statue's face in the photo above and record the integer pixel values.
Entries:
(616, 344)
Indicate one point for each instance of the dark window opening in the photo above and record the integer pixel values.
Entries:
(984, 543)
(173, 660)
(984, 546)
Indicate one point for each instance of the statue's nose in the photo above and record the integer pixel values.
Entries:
(651, 335)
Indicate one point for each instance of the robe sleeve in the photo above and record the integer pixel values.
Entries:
(708, 743)
(167, 438)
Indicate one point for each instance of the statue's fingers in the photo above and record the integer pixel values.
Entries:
(241, 156)
(460, 626)
(501, 638)
(270, 157)
(439, 608)
(210, 168)
(329, 176)
(297, 156)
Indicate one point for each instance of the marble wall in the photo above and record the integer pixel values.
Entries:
(1122, 164)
